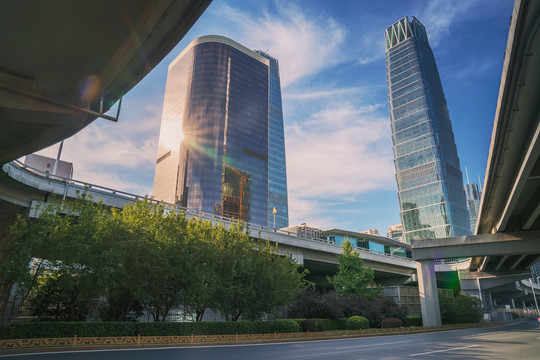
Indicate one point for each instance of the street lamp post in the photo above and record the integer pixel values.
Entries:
(274, 211)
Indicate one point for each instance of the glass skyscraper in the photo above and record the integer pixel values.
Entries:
(221, 147)
(429, 179)
(473, 196)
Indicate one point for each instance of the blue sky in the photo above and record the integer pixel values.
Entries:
(337, 130)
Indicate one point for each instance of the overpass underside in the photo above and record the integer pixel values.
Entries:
(65, 63)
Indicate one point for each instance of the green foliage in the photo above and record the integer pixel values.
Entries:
(330, 305)
(352, 277)
(96, 329)
(57, 297)
(462, 309)
(448, 311)
(253, 278)
(468, 309)
(312, 325)
(142, 257)
(312, 304)
(391, 323)
(334, 324)
(413, 321)
(357, 322)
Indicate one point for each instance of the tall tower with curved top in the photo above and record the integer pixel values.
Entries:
(430, 184)
(221, 147)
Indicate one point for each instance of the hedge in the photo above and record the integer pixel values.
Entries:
(329, 324)
(312, 325)
(391, 322)
(413, 321)
(104, 329)
(357, 322)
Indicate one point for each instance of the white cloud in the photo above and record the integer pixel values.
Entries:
(304, 45)
(438, 15)
(337, 155)
(116, 155)
(311, 94)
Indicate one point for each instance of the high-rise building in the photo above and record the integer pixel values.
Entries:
(395, 232)
(221, 146)
(429, 179)
(473, 196)
(47, 165)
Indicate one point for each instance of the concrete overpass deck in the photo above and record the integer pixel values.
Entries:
(22, 188)
(507, 239)
(65, 63)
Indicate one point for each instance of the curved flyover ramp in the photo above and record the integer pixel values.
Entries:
(64, 63)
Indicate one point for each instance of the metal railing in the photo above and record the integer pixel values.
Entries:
(85, 186)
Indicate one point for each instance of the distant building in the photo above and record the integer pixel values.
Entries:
(304, 230)
(362, 240)
(473, 196)
(221, 146)
(430, 185)
(395, 232)
(46, 165)
(371, 232)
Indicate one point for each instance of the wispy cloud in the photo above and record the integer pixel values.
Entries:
(116, 155)
(304, 45)
(312, 94)
(337, 155)
(438, 15)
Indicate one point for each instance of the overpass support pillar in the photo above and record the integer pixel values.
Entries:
(429, 299)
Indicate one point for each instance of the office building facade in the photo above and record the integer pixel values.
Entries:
(221, 148)
(395, 232)
(429, 179)
(473, 196)
(47, 165)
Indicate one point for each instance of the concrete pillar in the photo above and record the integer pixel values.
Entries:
(429, 299)
(513, 303)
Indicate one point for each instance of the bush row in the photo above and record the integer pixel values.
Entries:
(94, 329)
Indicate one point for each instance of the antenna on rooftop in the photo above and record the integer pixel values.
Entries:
(479, 182)
(467, 173)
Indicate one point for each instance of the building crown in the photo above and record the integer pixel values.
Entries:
(404, 29)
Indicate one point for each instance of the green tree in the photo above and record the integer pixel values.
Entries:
(203, 276)
(165, 261)
(22, 260)
(352, 277)
(468, 309)
(57, 296)
(142, 255)
(251, 281)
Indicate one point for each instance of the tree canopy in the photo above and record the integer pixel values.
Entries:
(352, 277)
(85, 255)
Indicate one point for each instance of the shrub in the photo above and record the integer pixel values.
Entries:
(468, 309)
(312, 325)
(391, 323)
(98, 329)
(413, 321)
(448, 310)
(312, 304)
(357, 322)
(377, 309)
(334, 324)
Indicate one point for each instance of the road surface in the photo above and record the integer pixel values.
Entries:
(513, 341)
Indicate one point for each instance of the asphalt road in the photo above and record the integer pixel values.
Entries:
(517, 341)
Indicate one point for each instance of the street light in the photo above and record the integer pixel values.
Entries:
(274, 211)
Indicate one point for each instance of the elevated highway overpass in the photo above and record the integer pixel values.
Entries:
(22, 188)
(65, 63)
(507, 239)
